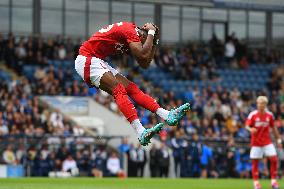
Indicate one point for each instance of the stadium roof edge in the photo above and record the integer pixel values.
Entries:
(222, 4)
(200, 3)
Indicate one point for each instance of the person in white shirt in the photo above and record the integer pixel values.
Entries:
(70, 165)
(230, 50)
(78, 131)
(62, 52)
(9, 156)
(56, 119)
(3, 128)
(113, 164)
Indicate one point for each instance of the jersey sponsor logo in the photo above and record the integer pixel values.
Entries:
(261, 124)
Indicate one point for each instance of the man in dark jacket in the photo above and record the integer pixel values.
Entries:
(154, 161)
(132, 161)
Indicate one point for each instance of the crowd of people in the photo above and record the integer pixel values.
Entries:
(77, 159)
(21, 113)
(215, 115)
(183, 61)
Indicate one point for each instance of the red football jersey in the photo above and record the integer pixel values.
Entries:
(110, 40)
(262, 122)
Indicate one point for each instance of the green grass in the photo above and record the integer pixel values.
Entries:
(107, 183)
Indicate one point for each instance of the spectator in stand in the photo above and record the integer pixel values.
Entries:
(113, 165)
(9, 156)
(124, 146)
(82, 163)
(42, 166)
(61, 52)
(10, 56)
(176, 144)
(3, 128)
(141, 160)
(2, 46)
(78, 131)
(56, 119)
(164, 160)
(132, 162)
(231, 162)
(205, 160)
(191, 151)
(70, 165)
(98, 163)
(154, 161)
(230, 50)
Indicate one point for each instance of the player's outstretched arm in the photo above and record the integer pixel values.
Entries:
(144, 53)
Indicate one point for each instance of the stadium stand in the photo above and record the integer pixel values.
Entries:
(221, 89)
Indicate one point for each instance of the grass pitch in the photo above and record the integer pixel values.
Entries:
(110, 183)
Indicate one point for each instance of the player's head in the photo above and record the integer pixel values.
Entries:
(261, 102)
(142, 34)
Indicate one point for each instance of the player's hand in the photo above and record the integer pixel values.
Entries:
(157, 28)
(253, 130)
(149, 26)
(157, 35)
(279, 143)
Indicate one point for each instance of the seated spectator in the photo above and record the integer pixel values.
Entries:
(98, 163)
(78, 131)
(70, 165)
(113, 165)
(62, 52)
(3, 128)
(9, 156)
(56, 119)
(82, 163)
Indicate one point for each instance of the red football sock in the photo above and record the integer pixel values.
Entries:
(141, 98)
(254, 169)
(273, 166)
(124, 104)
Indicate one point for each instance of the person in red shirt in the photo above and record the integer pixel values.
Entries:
(258, 123)
(119, 38)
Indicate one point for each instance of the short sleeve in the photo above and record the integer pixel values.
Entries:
(131, 33)
(249, 120)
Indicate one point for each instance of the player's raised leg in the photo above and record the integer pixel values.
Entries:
(171, 117)
(109, 84)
